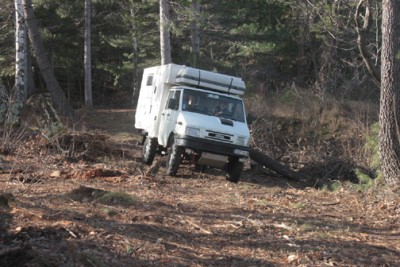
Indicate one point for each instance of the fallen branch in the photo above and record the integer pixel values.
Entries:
(274, 165)
(11, 251)
(195, 225)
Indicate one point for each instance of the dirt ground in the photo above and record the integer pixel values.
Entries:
(90, 202)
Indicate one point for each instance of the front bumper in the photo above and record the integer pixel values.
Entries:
(204, 145)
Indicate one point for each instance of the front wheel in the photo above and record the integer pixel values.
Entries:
(149, 150)
(174, 159)
(234, 170)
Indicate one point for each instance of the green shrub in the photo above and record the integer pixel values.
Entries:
(372, 145)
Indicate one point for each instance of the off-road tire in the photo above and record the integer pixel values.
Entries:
(149, 150)
(174, 159)
(199, 168)
(234, 170)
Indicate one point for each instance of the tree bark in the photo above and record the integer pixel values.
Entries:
(88, 56)
(165, 42)
(389, 116)
(59, 100)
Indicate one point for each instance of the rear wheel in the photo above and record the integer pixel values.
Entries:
(149, 150)
(174, 159)
(234, 170)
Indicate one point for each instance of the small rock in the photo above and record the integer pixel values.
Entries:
(292, 258)
(55, 174)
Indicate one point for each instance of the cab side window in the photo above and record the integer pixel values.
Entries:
(173, 100)
(149, 80)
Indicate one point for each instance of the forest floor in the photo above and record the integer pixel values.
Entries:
(91, 202)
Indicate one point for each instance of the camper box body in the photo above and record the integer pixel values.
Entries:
(176, 114)
(154, 89)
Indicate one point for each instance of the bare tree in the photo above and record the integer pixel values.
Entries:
(19, 93)
(362, 32)
(165, 42)
(389, 116)
(59, 100)
(88, 56)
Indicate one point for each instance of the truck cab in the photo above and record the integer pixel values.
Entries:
(186, 121)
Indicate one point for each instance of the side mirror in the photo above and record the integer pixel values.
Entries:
(173, 103)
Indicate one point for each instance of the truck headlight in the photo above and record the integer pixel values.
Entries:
(193, 131)
(241, 140)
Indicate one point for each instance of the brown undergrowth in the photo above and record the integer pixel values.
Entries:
(323, 139)
(84, 199)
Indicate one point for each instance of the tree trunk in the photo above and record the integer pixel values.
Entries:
(165, 42)
(135, 60)
(20, 52)
(59, 100)
(31, 89)
(19, 93)
(195, 33)
(389, 116)
(3, 102)
(88, 56)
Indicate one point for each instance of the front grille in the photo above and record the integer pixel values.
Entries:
(222, 137)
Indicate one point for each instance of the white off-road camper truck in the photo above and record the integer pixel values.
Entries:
(194, 115)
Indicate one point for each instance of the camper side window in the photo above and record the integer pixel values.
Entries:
(173, 100)
(149, 80)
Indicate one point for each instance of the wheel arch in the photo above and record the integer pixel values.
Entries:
(144, 134)
(171, 139)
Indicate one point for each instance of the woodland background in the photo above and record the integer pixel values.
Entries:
(274, 45)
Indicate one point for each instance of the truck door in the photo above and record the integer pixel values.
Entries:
(169, 116)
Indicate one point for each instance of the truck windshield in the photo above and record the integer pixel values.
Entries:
(213, 104)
